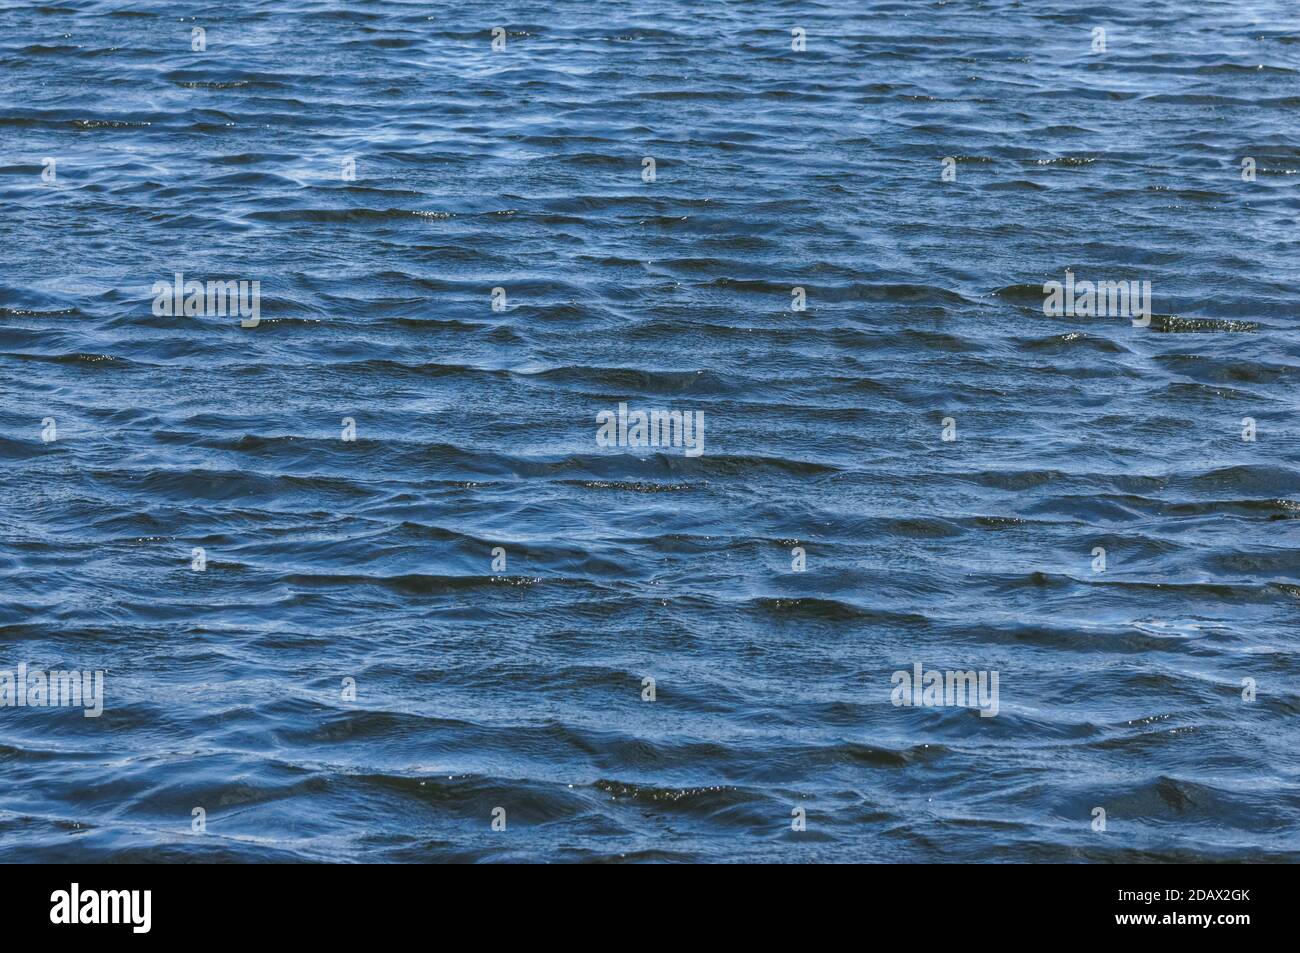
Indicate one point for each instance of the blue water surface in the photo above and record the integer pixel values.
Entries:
(356, 675)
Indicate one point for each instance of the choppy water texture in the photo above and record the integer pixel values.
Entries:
(522, 688)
